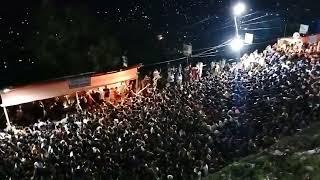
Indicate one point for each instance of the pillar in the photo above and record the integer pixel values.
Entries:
(137, 82)
(7, 116)
(78, 102)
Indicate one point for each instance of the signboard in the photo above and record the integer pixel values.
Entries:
(187, 50)
(79, 82)
(304, 29)
(248, 38)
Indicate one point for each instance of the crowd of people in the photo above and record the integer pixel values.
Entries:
(55, 108)
(186, 130)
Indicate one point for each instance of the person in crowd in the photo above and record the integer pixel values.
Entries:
(156, 78)
(106, 94)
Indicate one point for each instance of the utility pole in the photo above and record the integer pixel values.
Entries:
(285, 29)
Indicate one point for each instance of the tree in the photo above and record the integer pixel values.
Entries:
(103, 51)
(70, 40)
(140, 43)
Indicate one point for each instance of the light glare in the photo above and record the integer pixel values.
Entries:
(6, 90)
(239, 8)
(236, 44)
(160, 37)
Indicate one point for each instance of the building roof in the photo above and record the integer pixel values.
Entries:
(65, 85)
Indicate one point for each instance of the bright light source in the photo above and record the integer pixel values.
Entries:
(160, 37)
(6, 90)
(236, 44)
(239, 8)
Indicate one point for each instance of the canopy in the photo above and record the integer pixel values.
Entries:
(65, 86)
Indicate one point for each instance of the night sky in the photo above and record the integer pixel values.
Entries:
(203, 23)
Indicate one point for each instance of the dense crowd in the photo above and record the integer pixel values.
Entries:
(183, 131)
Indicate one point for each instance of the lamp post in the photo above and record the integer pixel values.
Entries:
(237, 43)
(238, 9)
(236, 25)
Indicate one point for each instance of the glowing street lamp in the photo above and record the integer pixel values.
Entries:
(236, 44)
(239, 9)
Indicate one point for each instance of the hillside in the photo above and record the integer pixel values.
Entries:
(292, 158)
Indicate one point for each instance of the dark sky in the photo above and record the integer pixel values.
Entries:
(203, 23)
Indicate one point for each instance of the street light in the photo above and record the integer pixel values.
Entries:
(236, 44)
(238, 9)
